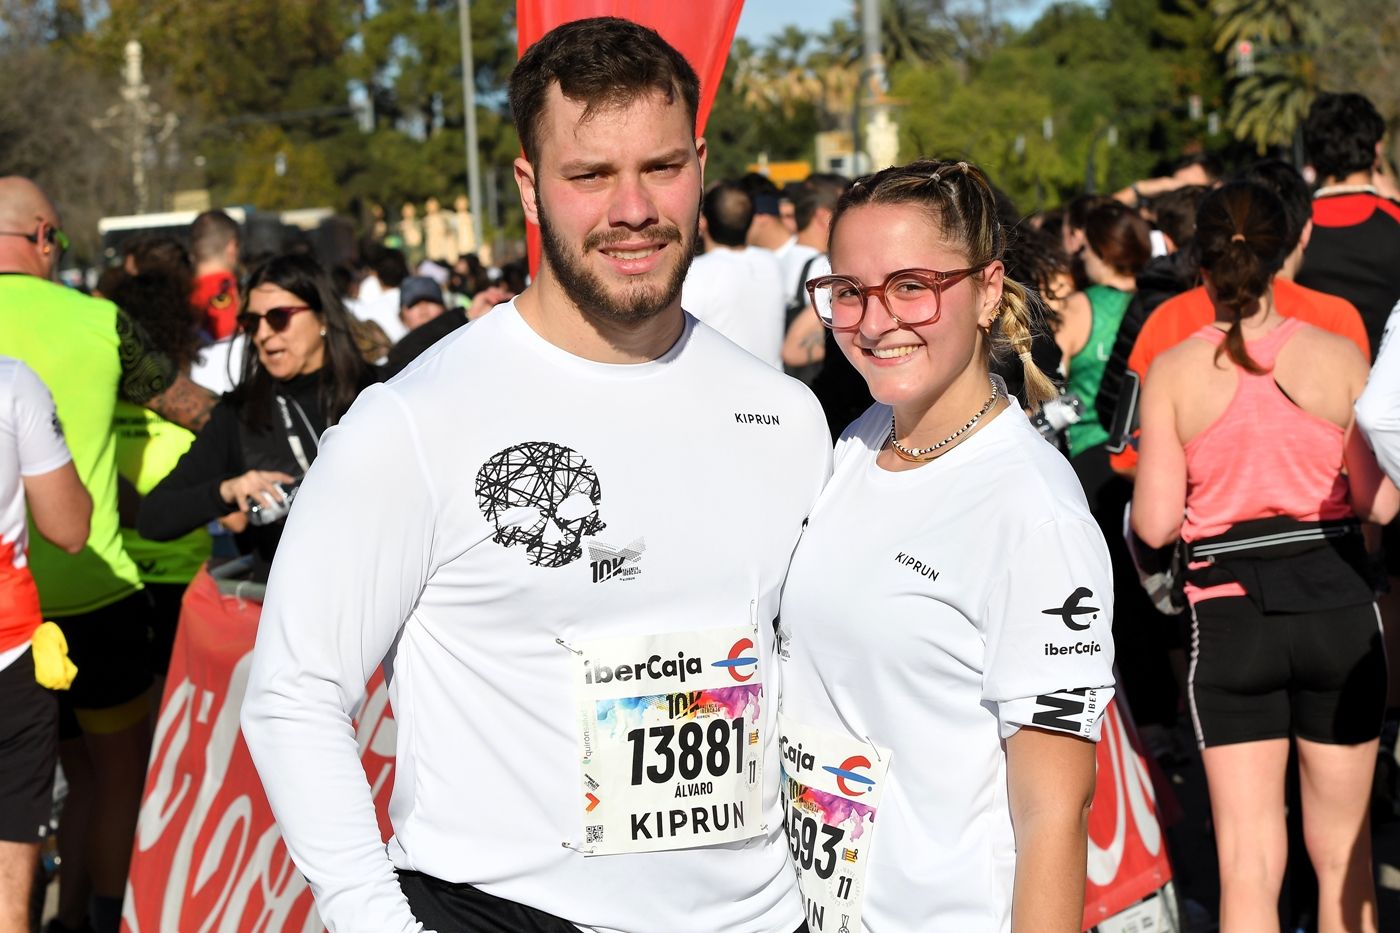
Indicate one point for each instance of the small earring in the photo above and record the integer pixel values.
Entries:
(323, 332)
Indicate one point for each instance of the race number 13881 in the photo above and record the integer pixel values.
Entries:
(714, 747)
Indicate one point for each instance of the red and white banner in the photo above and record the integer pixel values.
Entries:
(1127, 849)
(700, 31)
(208, 855)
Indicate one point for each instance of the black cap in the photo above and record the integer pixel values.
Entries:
(418, 288)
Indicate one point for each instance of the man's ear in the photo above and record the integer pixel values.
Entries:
(702, 151)
(525, 181)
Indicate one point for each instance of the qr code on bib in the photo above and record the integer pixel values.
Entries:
(593, 834)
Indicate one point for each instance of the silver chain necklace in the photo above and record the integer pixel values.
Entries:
(921, 454)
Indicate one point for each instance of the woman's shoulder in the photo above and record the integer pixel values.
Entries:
(1033, 480)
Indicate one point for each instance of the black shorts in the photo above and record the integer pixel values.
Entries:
(28, 752)
(1256, 676)
(165, 616)
(112, 648)
(460, 908)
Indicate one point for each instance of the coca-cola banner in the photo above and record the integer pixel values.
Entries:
(1127, 850)
(701, 32)
(208, 856)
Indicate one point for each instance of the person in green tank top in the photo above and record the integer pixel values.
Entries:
(89, 354)
(1117, 246)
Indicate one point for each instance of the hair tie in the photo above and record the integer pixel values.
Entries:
(934, 176)
(1025, 356)
(962, 167)
(1238, 236)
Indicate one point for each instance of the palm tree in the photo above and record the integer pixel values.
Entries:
(1270, 96)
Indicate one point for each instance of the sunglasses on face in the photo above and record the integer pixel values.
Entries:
(52, 236)
(277, 318)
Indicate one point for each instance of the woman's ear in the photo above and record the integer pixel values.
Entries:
(993, 279)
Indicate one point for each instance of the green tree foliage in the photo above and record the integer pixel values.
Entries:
(1270, 95)
(1082, 98)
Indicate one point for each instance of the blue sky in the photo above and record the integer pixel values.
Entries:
(763, 18)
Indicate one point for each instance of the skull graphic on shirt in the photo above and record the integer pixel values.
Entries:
(544, 496)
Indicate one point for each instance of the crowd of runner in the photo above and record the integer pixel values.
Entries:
(1140, 448)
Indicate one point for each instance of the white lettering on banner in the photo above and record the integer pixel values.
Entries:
(671, 736)
(1130, 780)
(831, 790)
(246, 865)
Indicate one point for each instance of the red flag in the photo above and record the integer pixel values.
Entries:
(701, 32)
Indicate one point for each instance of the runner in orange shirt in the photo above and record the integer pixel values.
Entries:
(1188, 312)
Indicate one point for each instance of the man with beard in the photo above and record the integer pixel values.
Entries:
(571, 577)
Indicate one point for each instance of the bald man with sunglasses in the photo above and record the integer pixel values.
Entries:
(89, 353)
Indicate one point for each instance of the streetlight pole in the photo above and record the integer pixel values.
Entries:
(469, 111)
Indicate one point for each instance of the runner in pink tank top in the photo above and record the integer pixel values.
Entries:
(1286, 644)
(1294, 459)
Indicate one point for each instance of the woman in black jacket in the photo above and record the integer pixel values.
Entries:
(300, 372)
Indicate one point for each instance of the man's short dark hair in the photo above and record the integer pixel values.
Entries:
(1285, 181)
(390, 267)
(211, 233)
(1340, 134)
(822, 189)
(604, 61)
(763, 191)
(1175, 212)
(728, 211)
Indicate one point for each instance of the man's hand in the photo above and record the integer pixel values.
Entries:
(185, 404)
(486, 299)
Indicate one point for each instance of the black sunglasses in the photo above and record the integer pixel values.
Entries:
(52, 236)
(277, 318)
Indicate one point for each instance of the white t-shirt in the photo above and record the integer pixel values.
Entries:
(479, 519)
(793, 258)
(739, 292)
(382, 308)
(31, 444)
(932, 613)
(1378, 408)
(219, 366)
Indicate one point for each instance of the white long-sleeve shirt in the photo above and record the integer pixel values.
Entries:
(1378, 408)
(478, 523)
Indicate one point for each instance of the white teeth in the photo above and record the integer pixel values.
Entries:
(631, 253)
(889, 353)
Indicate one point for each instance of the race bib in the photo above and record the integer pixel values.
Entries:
(671, 739)
(831, 790)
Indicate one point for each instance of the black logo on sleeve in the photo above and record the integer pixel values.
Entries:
(1067, 710)
(747, 417)
(544, 496)
(1071, 608)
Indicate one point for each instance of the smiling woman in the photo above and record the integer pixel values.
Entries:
(975, 590)
(301, 371)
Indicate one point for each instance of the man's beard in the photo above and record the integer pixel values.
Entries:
(630, 304)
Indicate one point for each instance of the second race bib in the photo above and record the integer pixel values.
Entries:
(671, 739)
(831, 790)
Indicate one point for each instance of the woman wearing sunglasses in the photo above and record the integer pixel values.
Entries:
(300, 372)
(946, 619)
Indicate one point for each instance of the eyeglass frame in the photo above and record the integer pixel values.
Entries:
(290, 311)
(931, 278)
(53, 236)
